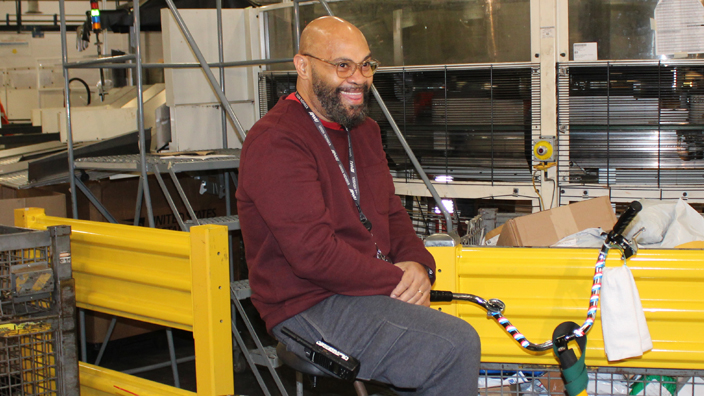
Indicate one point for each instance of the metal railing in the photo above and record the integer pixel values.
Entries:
(166, 275)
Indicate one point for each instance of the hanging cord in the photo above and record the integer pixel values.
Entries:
(84, 84)
(424, 219)
(544, 166)
(554, 187)
(540, 197)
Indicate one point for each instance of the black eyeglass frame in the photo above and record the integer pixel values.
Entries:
(373, 64)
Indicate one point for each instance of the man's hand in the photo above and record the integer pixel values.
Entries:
(414, 287)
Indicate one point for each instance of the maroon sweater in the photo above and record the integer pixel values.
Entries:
(303, 238)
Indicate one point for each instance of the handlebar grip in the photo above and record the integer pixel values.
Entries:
(627, 217)
(439, 295)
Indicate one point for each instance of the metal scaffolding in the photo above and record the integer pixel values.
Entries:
(218, 89)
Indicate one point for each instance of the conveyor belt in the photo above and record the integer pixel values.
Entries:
(219, 159)
(232, 222)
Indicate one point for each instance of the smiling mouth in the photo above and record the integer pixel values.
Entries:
(355, 96)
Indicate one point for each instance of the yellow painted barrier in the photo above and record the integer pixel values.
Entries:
(99, 381)
(545, 287)
(172, 278)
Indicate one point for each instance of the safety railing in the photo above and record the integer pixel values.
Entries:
(545, 287)
(172, 278)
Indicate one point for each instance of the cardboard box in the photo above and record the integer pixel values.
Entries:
(97, 324)
(552, 380)
(120, 196)
(549, 226)
(54, 203)
(496, 231)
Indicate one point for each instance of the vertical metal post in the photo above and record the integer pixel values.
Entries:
(406, 147)
(140, 115)
(65, 298)
(223, 115)
(221, 59)
(296, 26)
(82, 326)
(172, 357)
(211, 310)
(67, 103)
(18, 11)
(105, 34)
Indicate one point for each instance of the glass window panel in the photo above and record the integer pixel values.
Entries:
(621, 28)
(421, 32)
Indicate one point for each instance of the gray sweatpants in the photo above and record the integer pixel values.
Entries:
(418, 350)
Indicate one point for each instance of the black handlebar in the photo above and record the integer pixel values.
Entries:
(440, 295)
(627, 217)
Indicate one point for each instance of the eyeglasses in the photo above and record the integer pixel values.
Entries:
(347, 68)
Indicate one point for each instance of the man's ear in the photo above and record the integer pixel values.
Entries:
(302, 66)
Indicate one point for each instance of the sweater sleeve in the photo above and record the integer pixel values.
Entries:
(284, 184)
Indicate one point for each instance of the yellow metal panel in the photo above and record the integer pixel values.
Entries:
(211, 306)
(135, 272)
(156, 276)
(99, 381)
(545, 287)
(445, 274)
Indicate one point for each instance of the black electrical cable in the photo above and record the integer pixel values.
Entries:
(425, 221)
(84, 84)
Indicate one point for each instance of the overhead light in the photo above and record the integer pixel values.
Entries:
(448, 204)
(444, 178)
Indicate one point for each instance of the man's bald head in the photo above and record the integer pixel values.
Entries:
(324, 34)
(330, 78)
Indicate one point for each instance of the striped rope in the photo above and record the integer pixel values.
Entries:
(591, 312)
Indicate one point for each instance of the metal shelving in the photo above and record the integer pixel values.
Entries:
(219, 159)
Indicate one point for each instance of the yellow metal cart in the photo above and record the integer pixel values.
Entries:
(543, 287)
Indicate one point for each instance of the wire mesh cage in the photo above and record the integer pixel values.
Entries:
(28, 359)
(475, 231)
(498, 379)
(26, 281)
(37, 303)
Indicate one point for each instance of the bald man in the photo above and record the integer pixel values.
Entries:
(331, 251)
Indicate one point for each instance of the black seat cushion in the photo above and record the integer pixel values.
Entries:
(297, 363)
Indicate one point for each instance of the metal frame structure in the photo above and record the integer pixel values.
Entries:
(622, 192)
(218, 88)
(38, 307)
(550, 52)
(145, 163)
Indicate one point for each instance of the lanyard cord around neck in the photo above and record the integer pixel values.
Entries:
(351, 179)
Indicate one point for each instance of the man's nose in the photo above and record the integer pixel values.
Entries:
(357, 77)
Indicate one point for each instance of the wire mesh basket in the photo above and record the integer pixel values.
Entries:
(498, 379)
(26, 281)
(28, 359)
(37, 303)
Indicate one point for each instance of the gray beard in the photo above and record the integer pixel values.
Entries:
(335, 110)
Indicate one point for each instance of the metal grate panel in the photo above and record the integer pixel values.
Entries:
(631, 124)
(498, 379)
(28, 359)
(474, 123)
(26, 282)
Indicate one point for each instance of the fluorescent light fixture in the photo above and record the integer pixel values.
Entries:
(444, 178)
(448, 204)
